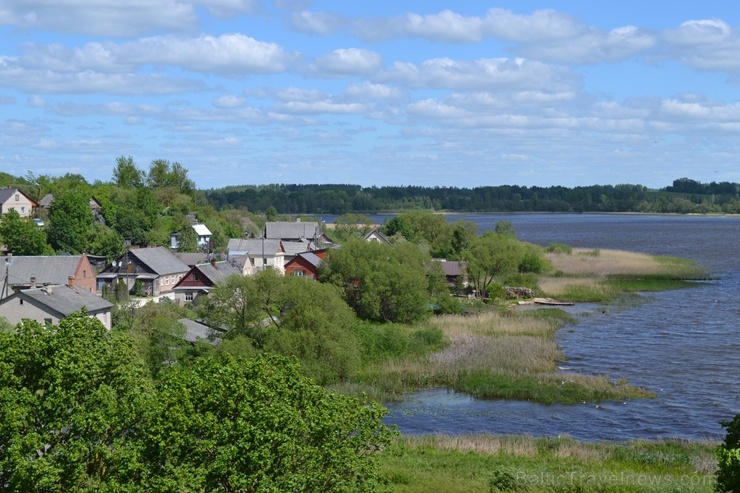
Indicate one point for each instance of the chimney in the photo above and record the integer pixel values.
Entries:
(33, 283)
(71, 281)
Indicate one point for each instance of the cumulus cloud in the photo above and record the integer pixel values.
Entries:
(229, 54)
(100, 17)
(369, 90)
(231, 101)
(319, 107)
(708, 44)
(347, 62)
(484, 74)
(316, 23)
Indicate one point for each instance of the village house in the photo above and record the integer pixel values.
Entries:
(14, 199)
(151, 272)
(306, 264)
(50, 304)
(201, 231)
(201, 278)
(296, 231)
(260, 253)
(376, 235)
(24, 272)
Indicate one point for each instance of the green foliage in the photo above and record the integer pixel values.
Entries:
(21, 236)
(728, 458)
(78, 413)
(505, 228)
(71, 403)
(559, 248)
(126, 174)
(492, 256)
(534, 260)
(259, 425)
(380, 282)
(188, 239)
(105, 242)
(291, 316)
(71, 221)
(351, 226)
(163, 174)
(271, 213)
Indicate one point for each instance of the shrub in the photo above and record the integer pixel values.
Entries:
(728, 458)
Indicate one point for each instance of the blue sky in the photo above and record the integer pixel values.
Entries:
(432, 93)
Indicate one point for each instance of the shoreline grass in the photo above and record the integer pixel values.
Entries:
(491, 463)
(492, 355)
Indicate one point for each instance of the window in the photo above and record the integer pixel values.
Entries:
(47, 322)
(161, 281)
(189, 296)
(300, 273)
(172, 280)
(166, 281)
(23, 209)
(17, 197)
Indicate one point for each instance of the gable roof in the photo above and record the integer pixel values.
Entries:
(311, 258)
(201, 230)
(291, 230)
(453, 268)
(293, 248)
(160, 260)
(253, 247)
(196, 330)
(63, 300)
(46, 269)
(218, 270)
(376, 235)
(7, 193)
(46, 200)
(191, 259)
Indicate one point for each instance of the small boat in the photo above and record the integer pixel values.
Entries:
(548, 301)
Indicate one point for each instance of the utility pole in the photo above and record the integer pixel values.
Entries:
(8, 263)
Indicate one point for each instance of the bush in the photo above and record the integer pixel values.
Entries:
(728, 458)
(559, 248)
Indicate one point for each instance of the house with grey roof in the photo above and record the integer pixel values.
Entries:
(376, 235)
(14, 199)
(202, 277)
(32, 271)
(52, 303)
(149, 272)
(195, 331)
(261, 252)
(296, 231)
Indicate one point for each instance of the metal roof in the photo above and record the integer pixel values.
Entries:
(253, 247)
(196, 330)
(201, 230)
(311, 258)
(218, 270)
(46, 269)
(160, 260)
(65, 300)
(291, 230)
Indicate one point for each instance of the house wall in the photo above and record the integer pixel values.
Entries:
(22, 205)
(85, 276)
(16, 310)
(299, 264)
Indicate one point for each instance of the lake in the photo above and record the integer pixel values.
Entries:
(684, 345)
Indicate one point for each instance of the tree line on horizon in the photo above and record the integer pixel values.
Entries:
(683, 196)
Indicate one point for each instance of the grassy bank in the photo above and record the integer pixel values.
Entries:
(494, 354)
(488, 463)
(583, 275)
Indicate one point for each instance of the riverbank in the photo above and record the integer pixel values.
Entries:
(489, 463)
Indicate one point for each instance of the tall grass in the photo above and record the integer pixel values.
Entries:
(486, 463)
(496, 355)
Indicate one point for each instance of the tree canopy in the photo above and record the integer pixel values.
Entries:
(79, 412)
(22, 236)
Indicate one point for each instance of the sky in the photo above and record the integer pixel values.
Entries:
(428, 93)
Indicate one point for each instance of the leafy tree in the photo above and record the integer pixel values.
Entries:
(188, 239)
(228, 425)
(728, 459)
(126, 174)
(380, 282)
(163, 174)
(348, 226)
(491, 257)
(71, 221)
(234, 305)
(105, 242)
(21, 236)
(272, 213)
(71, 404)
(505, 228)
(318, 327)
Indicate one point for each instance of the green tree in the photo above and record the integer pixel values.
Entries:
(71, 221)
(381, 282)
(188, 239)
(105, 242)
(21, 236)
(126, 174)
(490, 257)
(228, 425)
(71, 404)
(728, 458)
(234, 305)
(272, 213)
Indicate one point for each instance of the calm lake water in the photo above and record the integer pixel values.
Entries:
(683, 345)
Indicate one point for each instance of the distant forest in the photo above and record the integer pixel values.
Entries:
(684, 196)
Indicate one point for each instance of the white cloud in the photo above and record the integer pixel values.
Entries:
(225, 54)
(99, 17)
(368, 90)
(36, 102)
(700, 32)
(299, 94)
(429, 108)
(705, 45)
(320, 107)
(231, 101)
(484, 74)
(225, 8)
(351, 61)
(541, 26)
(316, 23)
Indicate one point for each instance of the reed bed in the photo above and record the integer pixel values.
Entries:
(488, 463)
(604, 263)
(493, 355)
